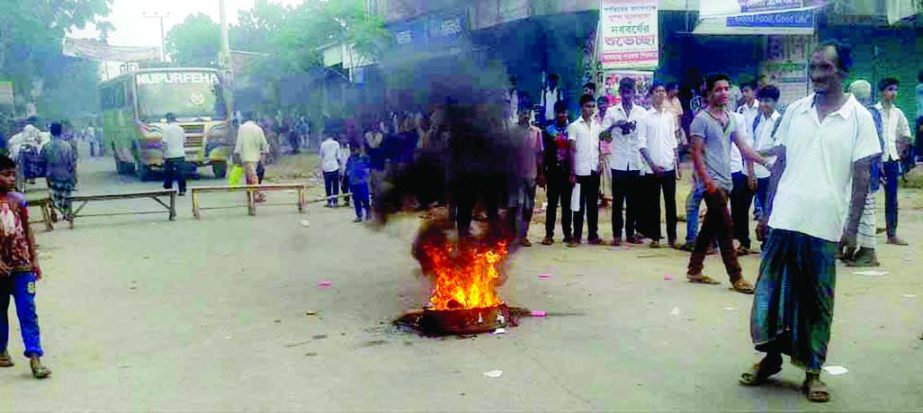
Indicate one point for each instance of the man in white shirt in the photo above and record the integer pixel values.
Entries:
(820, 181)
(330, 166)
(895, 131)
(657, 144)
(174, 155)
(583, 134)
(765, 124)
(749, 106)
(620, 128)
(551, 94)
(250, 151)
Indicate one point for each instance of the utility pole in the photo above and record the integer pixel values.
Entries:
(163, 38)
(224, 62)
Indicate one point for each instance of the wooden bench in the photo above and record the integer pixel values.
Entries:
(46, 206)
(155, 195)
(251, 191)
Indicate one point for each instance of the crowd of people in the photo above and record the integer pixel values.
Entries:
(828, 153)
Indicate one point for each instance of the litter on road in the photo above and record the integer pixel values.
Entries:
(539, 313)
(668, 277)
(836, 370)
(324, 284)
(544, 276)
(676, 312)
(871, 273)
(499, 331)
(305, 223)
(493, 374)
(910, 296)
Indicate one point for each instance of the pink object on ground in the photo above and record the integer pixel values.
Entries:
(324, 284)
(667, 277)
(544, 276)
(539, 314)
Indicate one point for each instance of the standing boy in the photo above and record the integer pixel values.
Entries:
(357, 172)
(583, 134)
(330, 165)
(19, 271)
(559, 174)
(713, 132)
(657, 141)
(895, 129)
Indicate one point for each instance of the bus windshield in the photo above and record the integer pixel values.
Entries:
(191, 96)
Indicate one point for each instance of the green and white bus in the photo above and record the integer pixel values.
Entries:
(134, 108)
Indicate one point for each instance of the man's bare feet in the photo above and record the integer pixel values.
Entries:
(766, 368)
(897, 241)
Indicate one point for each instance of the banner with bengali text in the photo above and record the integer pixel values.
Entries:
(629, 34)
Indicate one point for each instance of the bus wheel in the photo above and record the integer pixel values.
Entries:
(220, 169)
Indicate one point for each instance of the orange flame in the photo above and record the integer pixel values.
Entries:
(465, 274)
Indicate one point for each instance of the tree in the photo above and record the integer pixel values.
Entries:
(31, 33)
(194, 42)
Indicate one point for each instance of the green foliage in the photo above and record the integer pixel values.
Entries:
(31, 34)
(194, 42)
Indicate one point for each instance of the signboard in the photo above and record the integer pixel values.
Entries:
(409, 34)
(629, 34)
(6, 93)
(446, 27)
(786, 66)
(158, 78)
(96, 50)
(721, 8)
(799, 18)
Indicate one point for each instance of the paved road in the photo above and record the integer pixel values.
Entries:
(141, 314)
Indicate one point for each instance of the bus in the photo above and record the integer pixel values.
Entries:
(133, 114)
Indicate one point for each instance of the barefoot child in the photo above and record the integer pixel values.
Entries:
(19, 271)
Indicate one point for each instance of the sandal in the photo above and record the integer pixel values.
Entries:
(38, 370)
(6, 360)
(743, 287)
(701, 279)
(758, 374)
(816, 390)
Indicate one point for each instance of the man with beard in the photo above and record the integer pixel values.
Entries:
(827, 142)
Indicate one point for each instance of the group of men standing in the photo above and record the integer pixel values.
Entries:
(812, 171)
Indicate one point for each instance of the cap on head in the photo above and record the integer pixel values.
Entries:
(861, 89)
(170, 117)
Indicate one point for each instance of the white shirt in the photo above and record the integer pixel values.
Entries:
(586, 135)
(764, 140)
(343, 157)
(549, 98)
(174, 141)
(750, 113)
(814, 191)
(894, 126)
(625, 155)
(251, 142)
(657, 134)
(743, 135)
(330, 155)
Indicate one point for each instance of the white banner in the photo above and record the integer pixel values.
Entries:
(629, 34)
(96, 50)
(722, 8)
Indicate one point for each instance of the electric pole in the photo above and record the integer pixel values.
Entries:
(163, 38)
